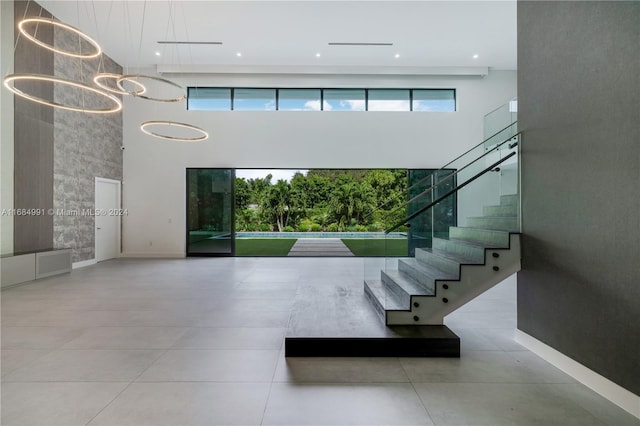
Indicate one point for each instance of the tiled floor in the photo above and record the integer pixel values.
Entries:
(200, 342)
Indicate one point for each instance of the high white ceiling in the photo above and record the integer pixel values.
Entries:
(291, 33)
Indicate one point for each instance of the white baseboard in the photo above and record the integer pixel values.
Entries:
(615, 393)
(83, 263)
(154, 255)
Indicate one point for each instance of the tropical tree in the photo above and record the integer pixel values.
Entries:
(351, 199)
(278, 203)
(243, 194)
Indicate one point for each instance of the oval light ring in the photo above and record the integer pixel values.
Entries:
(99, 79)
(145, 128)
(97, 50)
(9, 84)
(135, 77)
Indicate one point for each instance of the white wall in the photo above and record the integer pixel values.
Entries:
(6, 127)
(154, 170)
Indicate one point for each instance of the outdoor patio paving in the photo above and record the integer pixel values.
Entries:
(320, 247)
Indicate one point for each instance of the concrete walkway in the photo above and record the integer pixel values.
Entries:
(319, 247)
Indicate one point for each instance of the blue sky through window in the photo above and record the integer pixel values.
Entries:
(248, 99)
(254, 99)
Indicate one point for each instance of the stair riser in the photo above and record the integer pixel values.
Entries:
(444, 264)
(475, 254)
(502, 211)
(482, 236)
(416, 275)
(380, 310)
(474, 280)
(501, 223)
(390, 285)
(511, 200)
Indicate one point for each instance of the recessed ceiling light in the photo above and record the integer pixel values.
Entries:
(238, 54)
(157, 53)
(318, 55)
(397, 55)
(476, 56)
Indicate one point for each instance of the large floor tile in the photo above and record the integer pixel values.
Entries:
(260, 285)
(186, 404)
(480, 367)
(604, 410)
(13, 359)
(361, 404)
(472, 340)
(231, 338)
(37, 337)
(268, 292)
(340, 370)
(503, 338)
(545, 372)
(274, 274)
(255, 305)
(495, 404)
(244, 317)
(164, 318)
(86, 366)
(126, 338)
(69, 319)
(51, 404)
(213, 366)
(500, 319)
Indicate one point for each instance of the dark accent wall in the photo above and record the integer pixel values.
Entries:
(579, 110)
(33, 139)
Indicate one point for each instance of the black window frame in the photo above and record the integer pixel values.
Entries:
(232, 93)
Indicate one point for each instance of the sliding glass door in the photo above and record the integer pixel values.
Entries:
(210, 212)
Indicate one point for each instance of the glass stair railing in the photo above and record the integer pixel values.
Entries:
(460, 233)
(420, 185)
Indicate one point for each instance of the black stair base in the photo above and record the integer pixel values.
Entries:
(407, 341)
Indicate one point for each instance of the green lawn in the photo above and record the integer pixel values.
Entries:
(376, 246)
(264, 246)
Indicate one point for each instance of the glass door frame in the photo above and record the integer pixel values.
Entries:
(232, 213)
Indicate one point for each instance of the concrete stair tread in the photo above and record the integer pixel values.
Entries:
(474, 243)
(509, 199)
(493, 223)
(430, 271)
(408, 284)
(501, 210)
(498, 206)
(458, 258)
(387, 299)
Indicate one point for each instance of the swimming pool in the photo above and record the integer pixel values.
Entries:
(319, 235)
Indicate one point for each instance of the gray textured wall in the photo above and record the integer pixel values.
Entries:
(85, 146)
(579, 108)
(59, 153)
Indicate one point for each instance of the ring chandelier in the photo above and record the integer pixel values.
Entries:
(9, 82)
(134, 79)
(99, 80)
(147, 124)
(96, 47)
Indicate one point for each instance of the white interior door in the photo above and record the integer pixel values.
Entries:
(107, 218)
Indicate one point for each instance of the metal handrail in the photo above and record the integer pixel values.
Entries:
(381, 206)
(430, 189)
(454, 190)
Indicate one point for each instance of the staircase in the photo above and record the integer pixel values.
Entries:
(421, 290)
(461, 229)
